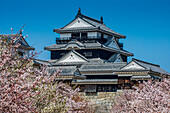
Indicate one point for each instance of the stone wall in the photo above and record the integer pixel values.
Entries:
(101, 100)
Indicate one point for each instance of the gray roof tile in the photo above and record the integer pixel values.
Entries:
(65, 70)
(80, 44)
(101, 67)
(84, 45)
(100, 26)
(96, 80)
(41, 62)
(96, 26)
(152, 67)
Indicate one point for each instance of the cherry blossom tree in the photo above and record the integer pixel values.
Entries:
(27, 89)
(148, 97)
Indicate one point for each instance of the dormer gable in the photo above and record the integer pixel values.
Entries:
(72, 56)
(115, 58)
(119, 59)
(133, 66)
(113, 44)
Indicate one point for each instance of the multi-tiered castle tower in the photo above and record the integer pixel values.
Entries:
(91, 56)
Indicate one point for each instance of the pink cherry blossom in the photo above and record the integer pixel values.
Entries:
(148, 97)
(24, 89)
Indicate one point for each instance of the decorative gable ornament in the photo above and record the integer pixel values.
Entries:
(72, 56)
(72, 46)
(132, 66)
(78, 22)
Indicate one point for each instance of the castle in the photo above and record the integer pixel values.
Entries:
(90, 56)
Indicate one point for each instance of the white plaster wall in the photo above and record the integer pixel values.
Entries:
(133, 65)
(78, 23)
(72, 58)
(65, 35)
(92, 34)
(104, 35)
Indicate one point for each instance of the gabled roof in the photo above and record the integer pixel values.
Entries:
(152, 67)
(112, 43)
(115, 57)
(72, 56)
(94, 25)
(139, 65)
(133, 66)
(41, 62)
(19, 39)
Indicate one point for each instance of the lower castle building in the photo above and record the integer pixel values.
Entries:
(90, 56)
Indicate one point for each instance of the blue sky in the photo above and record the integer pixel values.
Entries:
(146, 23)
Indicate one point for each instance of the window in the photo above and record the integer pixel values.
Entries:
(127, 81)
(124, 82)
(75, 35)
(83, 35)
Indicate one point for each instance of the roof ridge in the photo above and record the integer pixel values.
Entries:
(81, 15)
(40, 60)
(89, 23)
(134, 59)
(79, 55)
(114, 56)
(19, 38)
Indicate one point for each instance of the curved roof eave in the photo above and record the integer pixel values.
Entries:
(117, 35)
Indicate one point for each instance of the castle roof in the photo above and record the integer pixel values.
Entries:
(41, 62)
(151, 66)
(66, 71)
(107, 59)
(19, 39)
(98, 67)
(91, 25)
(96, 81)
(138, 66)
(86, 45)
